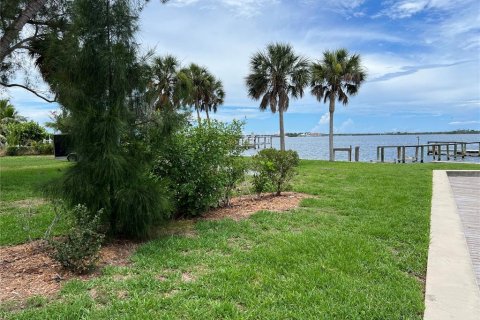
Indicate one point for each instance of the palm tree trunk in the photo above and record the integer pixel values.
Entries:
(330, 134)
(282, 131)
(198, 114)
(208, 117)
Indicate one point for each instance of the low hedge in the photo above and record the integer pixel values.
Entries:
(39, 149)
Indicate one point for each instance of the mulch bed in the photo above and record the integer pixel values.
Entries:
(243, 207)
(26, 270)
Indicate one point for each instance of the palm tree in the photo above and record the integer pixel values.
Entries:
(214, 96)
(198, 78)
(276, 75)
(337, 76)
(165, 86)
(8, 112)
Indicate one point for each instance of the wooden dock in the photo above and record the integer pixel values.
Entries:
(349, 152)
(256, 141)
(466, 191)
(437, 149)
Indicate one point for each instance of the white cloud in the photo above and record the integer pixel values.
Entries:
(245, 8)
(322, 124)
(345, 125)
(408, 8)
(464, 122)
(344, 7)
(325, 118)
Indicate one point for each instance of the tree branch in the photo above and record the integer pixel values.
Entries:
(13, 31)
(12, 85)
(20, 44)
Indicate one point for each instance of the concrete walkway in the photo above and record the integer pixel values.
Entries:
(451, 289)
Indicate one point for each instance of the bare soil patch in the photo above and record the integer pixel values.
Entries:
(26, 270)
(244, 206)
(29, 203)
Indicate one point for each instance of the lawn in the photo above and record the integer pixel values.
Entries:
(356, 250)
(23, 212)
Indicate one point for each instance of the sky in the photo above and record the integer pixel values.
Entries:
(422, 58)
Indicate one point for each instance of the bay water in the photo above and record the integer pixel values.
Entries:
(316, 148)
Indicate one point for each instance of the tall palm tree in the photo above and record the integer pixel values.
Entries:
(276, 75)
(214, 96)
(164, 83)
(335, 77)
(199, 79)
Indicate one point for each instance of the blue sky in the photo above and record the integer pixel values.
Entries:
(422, 58)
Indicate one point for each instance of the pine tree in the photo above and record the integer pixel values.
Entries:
(94, 70)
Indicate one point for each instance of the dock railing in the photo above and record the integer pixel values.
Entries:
(256, 141)
(435, 148)
(349, 151)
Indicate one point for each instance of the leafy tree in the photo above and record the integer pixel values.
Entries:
(23, 23)
(24, 133)
(60, 120)
(94, 69)
(276, 75)
(335, 77)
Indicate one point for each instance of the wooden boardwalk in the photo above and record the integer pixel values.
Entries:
(466, 191)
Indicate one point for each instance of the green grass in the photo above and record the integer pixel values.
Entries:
(24, 214)
(356, 250)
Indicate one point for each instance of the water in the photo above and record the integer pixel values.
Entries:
(317, 147)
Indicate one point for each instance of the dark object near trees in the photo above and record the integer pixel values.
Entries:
(63, 145)
(274, 168)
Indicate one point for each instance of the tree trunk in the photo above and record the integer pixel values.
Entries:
(330, 134)
(282, 131)
(14, 29)
(208, 117)
(198, 114)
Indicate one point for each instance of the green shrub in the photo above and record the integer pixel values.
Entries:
(200, 164)
(260, 183)
(19, 151)
(24, 133)
(35, 149)
(43, 148)
(274, 167)
(234, 174)
(79, 251)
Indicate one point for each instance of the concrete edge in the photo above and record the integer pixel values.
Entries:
(451, 289)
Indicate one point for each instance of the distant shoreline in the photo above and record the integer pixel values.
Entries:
(308, 134)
